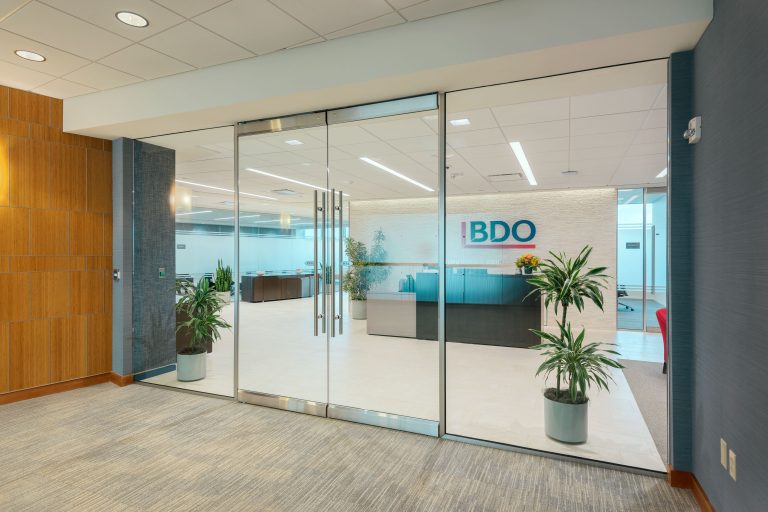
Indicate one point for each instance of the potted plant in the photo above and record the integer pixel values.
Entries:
(528, 261)
(566, 282)
(366, 269)
(202, 308)
(223, 283)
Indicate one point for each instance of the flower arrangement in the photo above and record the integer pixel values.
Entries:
(528, 261)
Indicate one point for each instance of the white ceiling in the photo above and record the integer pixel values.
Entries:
(611, 128)
(88, 49)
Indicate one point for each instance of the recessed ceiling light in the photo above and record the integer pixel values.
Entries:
(394, 173)
(290, 180)
(28, 55)
(662, 174)
(460, 122)
(294, 142)
(224, 190)
(132, 19)
(520, 154)
(193, 213)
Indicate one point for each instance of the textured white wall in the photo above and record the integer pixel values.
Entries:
(565, 220)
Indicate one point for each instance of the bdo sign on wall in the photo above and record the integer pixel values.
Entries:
(498, 234)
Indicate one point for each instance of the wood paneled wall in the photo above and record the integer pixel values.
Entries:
(55, 246)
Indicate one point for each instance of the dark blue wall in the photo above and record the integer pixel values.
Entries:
(730, 255)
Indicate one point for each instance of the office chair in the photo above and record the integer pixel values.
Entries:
(661, 316)
(621, 292)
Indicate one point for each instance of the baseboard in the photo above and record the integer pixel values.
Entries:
(687, 480)
(50, 389)
(121, 380)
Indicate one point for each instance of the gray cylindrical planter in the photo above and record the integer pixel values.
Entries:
(566, 422)
(358, 309)
(190, 367)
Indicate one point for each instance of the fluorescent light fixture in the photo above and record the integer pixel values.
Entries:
(631, 199)
(132, 19)
(290, 180)
(294, 142)
(193, 213)
(394, 173)
(662, 174)
(28, 55)
(460, 122)
(520, 154)
(242, 217)
(224, 189)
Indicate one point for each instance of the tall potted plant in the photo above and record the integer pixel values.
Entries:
(564, 282)
(366, 269)
(202, 308)
(223, 282)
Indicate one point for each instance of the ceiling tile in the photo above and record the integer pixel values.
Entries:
(652, 135)
(21, 77)
(532, 112)
(63, 89)
(101, 77)
(656, 119)
(647, 149)
(103, 14)
(601, 140)
(60, 30)
(608, 123)
(476, 138)
(399, 129)
(8, 6)
(612, 102)
(255, 24)
(478, 119)
(148, 64)
(402, 4)
(436, 7)
(387, 20)
(190, 8)
(195, 45)
(332, 15)
(535, 131)
(661, 99)
(56, 62)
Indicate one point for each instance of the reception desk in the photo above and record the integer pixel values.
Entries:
(277, 287)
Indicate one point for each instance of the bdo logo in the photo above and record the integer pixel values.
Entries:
(495, 234)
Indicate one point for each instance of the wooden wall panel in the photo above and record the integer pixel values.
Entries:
(68, 348)
(30, 354)
(50, 294)
(4, 355)
(50, 232)
(55, 246)
(99, 344)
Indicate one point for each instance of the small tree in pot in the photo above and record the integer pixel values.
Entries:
(223, 282)
(565, 282)
(367, 268)
(202, 308)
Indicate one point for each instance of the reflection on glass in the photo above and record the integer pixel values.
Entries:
(629, 259)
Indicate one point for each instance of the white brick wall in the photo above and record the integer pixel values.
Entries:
(565, 220)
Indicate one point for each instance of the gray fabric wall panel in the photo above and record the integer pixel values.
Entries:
(730, 258)
(122, 242)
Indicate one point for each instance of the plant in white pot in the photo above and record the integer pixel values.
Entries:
(223, 283)
(366, 269)
(202, 308)
(566, 282)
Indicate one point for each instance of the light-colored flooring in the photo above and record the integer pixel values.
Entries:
(492, 393)
(140, 448)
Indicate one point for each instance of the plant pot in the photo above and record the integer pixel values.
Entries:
(190, 367)
(224, 297)
(358, 309)
(566, 422)
(529, 270)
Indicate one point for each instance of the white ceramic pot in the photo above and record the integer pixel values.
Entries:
(566, 422)
(224, 297)
(358, 309)
(190, 367)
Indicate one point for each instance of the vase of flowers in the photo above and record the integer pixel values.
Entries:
(528, 262)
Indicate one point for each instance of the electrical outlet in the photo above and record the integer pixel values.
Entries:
(732, 464)
(723, 453)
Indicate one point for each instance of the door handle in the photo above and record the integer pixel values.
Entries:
(314, 274)
(333, 261)
(341, 262)
(322, 281)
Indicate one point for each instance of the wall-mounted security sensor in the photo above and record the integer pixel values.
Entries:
(693, 133)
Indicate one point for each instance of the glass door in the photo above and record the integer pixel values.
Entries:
(655, 255)
(284, 286)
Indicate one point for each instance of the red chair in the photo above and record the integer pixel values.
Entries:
(661, 316)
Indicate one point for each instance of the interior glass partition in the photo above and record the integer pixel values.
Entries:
(534, 167)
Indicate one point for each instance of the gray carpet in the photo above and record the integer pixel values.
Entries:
(634, 319)
(140, 448)
(649, 386)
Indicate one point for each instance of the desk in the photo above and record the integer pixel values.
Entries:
(279, 287)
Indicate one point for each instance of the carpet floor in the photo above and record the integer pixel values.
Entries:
(142, 448)
(627, 319)
(649, 386)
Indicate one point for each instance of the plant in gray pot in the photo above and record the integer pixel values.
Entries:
(566, 282)
(202, 308)
(223, 282)
(366, 269)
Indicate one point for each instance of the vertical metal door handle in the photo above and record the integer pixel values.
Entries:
(325, 273)
(333, 261)
(314, 275)
(341, 262)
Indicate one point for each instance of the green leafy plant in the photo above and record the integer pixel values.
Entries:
(366, 267)
(203, 309)
(565, 282)
(223, 281)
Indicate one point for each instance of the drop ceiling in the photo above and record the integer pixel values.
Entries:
(604, 128)
(87, 49)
